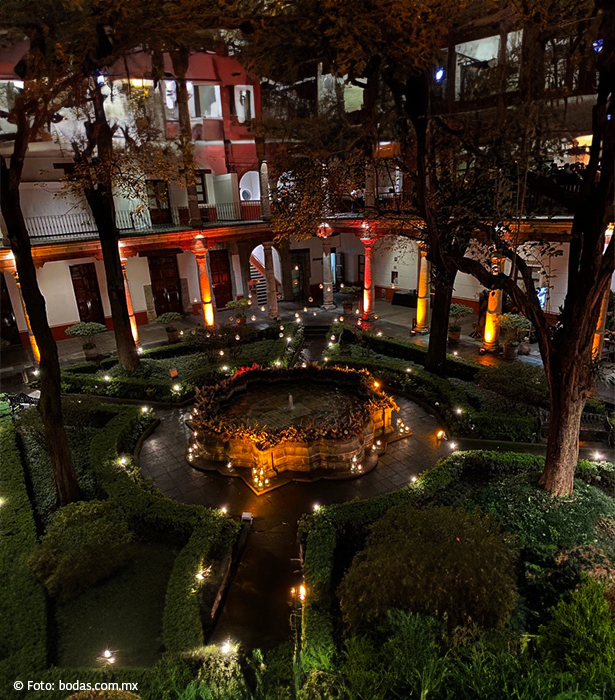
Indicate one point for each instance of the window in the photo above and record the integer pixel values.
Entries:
(207, 102)
(201, 185)
(242, 104)
(157, 194)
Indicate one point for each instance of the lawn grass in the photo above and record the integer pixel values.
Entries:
(123, 613)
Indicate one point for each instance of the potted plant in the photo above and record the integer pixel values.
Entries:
(168, 320)
(239, 306)
(351, 294)
(456, 313)
(87, 331)
(513, 327)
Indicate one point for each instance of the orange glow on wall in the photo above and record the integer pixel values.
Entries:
(367, 302)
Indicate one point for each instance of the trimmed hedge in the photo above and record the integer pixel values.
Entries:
(206, 533)
(85, 378)
(23, 633)
(319, 532)
(459, 367)
(445, 397)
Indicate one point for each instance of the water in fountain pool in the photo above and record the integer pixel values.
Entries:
(272, 404)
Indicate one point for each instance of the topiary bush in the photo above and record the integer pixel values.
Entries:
(86, 543)
(437, 561)
(87, 331)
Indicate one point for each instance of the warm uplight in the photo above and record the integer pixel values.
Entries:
(107, 654)
(316, 507)
(107, 378)
(144, 409)
(226, 647)
(597, 456)
(376, 385)
(453, 445)
(302, 592)
(440, 434)
(177, 387)
(459, 411)
(413, 479)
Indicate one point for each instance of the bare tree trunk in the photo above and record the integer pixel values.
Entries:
(181, 60)
(100, 198)
(102, 211)
(50, 403)
(567, 401)
(438, 329)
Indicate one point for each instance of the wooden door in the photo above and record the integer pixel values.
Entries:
(8, 324)
(220, 269)
(87, 293)
(166, 288)
(340, 269)
(300, 274)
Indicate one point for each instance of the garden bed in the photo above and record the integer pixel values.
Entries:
(559, 542)
(174, 612)
(192, 367)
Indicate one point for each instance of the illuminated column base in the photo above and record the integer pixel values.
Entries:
(368, 301)
(131, 314)
(207, 299)
(422, 302)
(598, 339)
(36, 354)
(327, 277)
(491, 336)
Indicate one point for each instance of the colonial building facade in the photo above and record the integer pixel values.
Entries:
(171, 265)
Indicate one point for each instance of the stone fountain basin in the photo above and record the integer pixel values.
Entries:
(311, 401)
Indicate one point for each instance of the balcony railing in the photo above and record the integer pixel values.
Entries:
(141, 221)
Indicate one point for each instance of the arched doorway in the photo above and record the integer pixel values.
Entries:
(257, 282)
(250, 187)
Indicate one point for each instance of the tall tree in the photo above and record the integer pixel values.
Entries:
(45, 83)
(348, 37)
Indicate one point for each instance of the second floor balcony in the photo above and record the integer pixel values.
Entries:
(140, 221)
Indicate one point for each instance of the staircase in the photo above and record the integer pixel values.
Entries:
(261, 285)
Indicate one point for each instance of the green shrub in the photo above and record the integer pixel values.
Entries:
(580, 637)
(438, 562)
(518, 381)
(87, 331)
(168, 320)
(23, 609)
(86, 543)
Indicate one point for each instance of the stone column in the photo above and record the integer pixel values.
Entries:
(424, 293)
(368, 301)
(491, 335)
(598, 340)
(327, 276)
(33, 345)
(272, 292)
(131, 314)
(207, 299)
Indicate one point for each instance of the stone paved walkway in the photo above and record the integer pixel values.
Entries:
(257, 610)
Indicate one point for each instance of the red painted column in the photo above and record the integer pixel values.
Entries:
(207, 300)
(368, 301)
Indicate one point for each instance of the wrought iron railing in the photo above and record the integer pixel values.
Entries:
(141, 220)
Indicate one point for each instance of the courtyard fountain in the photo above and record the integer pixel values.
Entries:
(271, 426)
